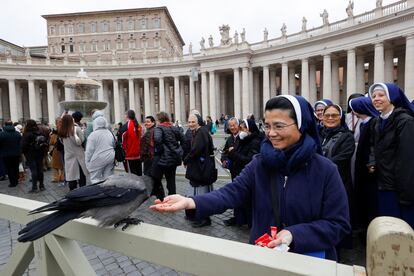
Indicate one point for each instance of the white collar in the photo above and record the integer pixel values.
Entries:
(385, 116)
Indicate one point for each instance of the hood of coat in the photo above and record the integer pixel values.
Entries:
(99, 122)
(9, 128)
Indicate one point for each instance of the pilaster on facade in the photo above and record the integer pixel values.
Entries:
(409, 67)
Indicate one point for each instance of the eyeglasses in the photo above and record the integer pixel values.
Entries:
(277, 127)
(333, 116)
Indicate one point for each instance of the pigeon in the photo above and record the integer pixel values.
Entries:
(110, 202)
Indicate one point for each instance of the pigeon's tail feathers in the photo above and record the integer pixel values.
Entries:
(48, 207)
(44, 225)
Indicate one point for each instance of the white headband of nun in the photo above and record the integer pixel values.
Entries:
(247, 124)
(379, 86)
(320, 102)
(296, 107)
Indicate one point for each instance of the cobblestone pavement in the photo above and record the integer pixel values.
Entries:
(106, 262)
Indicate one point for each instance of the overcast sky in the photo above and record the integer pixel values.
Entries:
(21, 22)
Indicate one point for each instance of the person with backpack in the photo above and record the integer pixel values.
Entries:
(168, 154)
(34, 146)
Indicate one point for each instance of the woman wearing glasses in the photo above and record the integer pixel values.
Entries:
(338, 143)
(289, 184)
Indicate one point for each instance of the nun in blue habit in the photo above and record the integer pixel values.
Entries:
(392, 134)
(365, 183)
(289, 183)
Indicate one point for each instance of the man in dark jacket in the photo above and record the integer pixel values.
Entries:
(10, 151)
(240, 155)
(168, 154)
(231, 142)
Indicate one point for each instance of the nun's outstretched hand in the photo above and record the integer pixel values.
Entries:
(173, 203)
(283, 237)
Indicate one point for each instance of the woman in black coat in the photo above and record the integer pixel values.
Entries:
(10, 151)
(202, 148)
(393, 133)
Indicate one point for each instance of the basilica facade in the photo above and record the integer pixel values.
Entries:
(137, 57)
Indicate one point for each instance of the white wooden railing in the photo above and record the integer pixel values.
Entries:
(58, 253)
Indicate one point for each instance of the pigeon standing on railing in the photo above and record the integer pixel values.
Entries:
(110, 202)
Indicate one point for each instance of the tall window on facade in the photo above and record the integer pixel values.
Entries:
(119, 26)
(94, 46)
(130, 24)
(81, 28)
(119, 45)
(105, 27)
(70, 29)
(62, 47)
(107, 45)
(52, 30)
(71, 48)
(157, 23)
(131, 44)
(93, 27)
(62, 30)
(143, 23)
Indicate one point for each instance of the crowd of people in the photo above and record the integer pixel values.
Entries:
(315, 172)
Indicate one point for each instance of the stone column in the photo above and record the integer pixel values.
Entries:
(256, 91)
(100, 91)
(401, 71)
(379, 62)
(312, 83)
(252, 95)
(389, 65)
(409, 67)
(273, 88)
(131, 94)
(305, 79)
(152, 96)
(245, 92)
(266, 85)
(285, 79)
(218, 95)
(204, 95)
(137, 93)
(147, 101)
(107, 110)
(117, 103)
(177, 107)
(122, 104)
(360, 74)
(223, 95)
(19, 99)
(168, 98)
(197, 96)
(32, 100)
(327, 77)
(212, 94)
(162, 93)
(351, 73)
(335, 80)
(182, 99)
(68, 95)
(237, 96)
(292, 80)
(192, 92)
(13, 100)
(50, 102)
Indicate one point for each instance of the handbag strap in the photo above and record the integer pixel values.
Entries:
(275, 200)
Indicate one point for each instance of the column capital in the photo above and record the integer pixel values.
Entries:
(236, 69)
(266, 66)
(410, 36)
(351, 50)
(379, 44)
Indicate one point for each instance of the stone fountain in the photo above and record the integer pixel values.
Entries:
(84, 95)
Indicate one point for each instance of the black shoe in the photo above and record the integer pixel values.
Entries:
(42, 189)
(10, 185)
(32, 191)
(230, 221)
(3, 178)
(198, 224)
